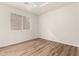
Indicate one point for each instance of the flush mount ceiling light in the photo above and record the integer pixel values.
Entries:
(37, 4)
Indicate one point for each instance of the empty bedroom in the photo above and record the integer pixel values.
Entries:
(39, 28)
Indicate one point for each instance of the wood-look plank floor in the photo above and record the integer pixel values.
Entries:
(39, 47)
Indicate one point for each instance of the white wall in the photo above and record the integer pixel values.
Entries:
(60, 25)
(78, 23)
(8, 36)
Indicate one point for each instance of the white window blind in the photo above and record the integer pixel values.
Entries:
(19, 22)
(26, 24)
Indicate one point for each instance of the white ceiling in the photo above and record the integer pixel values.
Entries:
(37, 10)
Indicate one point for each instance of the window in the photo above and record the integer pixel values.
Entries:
(19, 22)
(26, 24)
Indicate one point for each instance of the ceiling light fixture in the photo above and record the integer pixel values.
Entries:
(37, 4)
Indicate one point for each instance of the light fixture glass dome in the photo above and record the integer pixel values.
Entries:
(38, 4)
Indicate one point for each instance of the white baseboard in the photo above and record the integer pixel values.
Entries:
(17, 41)
(44, 37)
(57, 40)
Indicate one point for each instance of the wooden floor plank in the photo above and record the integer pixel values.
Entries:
(39, 47)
